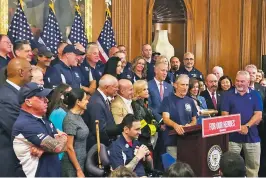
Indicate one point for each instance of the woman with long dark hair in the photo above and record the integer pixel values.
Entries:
(113, 67)
(57, 110)
(73, 162)
(200, 102)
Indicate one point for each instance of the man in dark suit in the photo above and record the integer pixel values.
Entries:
(159, 89)
(18, 74)
(212, 97)
(99, 109)
(252, 70)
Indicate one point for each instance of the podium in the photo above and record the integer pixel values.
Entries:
(202, 154)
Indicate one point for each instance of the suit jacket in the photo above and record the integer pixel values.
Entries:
(97, 109)
(209, 102)
(3, 72)
(9, 109)
(260, 89)
(119, 109)
(155, 99)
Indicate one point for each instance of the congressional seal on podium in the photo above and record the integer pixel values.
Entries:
(213, 157)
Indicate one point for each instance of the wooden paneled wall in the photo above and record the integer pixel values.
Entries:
(229, 33)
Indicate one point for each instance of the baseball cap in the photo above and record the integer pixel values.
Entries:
(32, 89)
(43, 51)
(72, 49)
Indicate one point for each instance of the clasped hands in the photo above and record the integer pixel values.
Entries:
(180, 128)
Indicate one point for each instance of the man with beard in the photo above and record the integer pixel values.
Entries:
(211, 95)
(246, 102)
(175, 64)
(126, 150)
(178, 111)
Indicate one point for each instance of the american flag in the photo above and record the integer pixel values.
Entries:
(19, 28)
(106, 40)
(51, 35)
(77, 33)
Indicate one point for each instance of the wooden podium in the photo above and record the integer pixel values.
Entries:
(202, 154)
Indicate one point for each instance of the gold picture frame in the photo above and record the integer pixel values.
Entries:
(87, 23)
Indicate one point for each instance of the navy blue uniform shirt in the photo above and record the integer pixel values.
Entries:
(121, 153)
(64, 74)
(244, 105)
(194, 73)
(96, 72)
(29, 130)
(181, 111)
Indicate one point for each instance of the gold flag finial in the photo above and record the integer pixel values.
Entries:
(21, 4)
(51, 5)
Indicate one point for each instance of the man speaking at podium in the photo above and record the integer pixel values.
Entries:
(178, 111)
(246, 102)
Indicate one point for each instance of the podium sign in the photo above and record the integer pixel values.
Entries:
(221, 125)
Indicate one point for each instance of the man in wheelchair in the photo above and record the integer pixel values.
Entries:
(126, 150)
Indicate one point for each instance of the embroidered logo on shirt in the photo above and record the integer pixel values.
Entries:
(188, 107)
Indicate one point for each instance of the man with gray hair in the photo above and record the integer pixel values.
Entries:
(252, 70)
(218, 72)
(91, 64)
(99, 109)
(246, 102)
(178, 110)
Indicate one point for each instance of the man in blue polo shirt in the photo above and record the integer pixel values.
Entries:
(246, 102)
(63, 71)
(178, 111)
(91, 64)
(126, 150)
(189, 68)
(32, 129)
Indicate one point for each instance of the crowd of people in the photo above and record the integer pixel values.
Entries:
(50, 104)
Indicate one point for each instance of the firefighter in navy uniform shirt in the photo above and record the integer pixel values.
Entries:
(126, 150)
(92, 63)
(63, 71)
(189, 68)
(32, 129)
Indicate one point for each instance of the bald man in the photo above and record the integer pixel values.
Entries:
(121, 105)
(99, 109)
(211, 95)
(112, 51)
(18, 74)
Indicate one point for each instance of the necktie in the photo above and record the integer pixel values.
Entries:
(214, 101)
(161, 90)
(108, 104)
